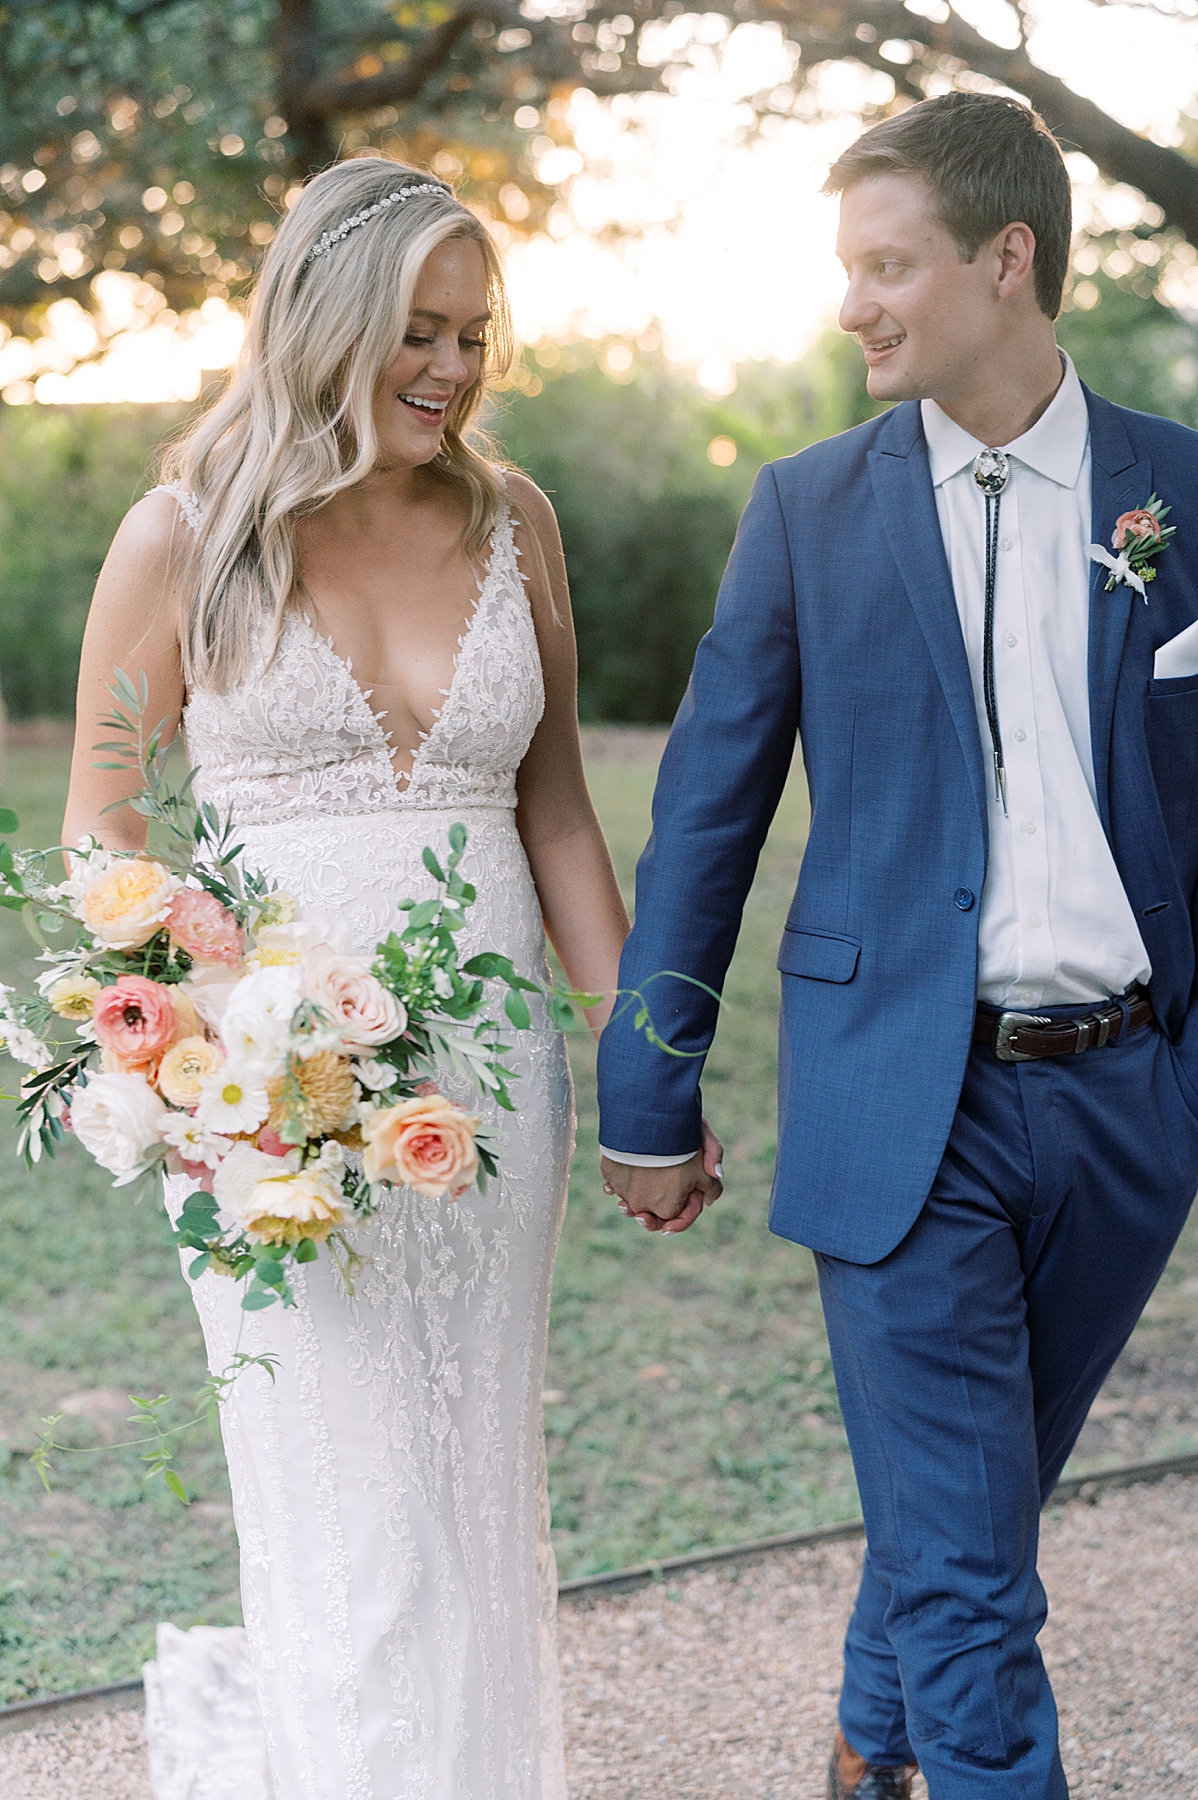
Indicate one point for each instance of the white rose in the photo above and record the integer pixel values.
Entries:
(240, 1173)
(210, 987)
(363, 1011)
(85, 863)
(117, 1118)
(256, 1026)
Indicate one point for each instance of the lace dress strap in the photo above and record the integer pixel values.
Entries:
(188, 505)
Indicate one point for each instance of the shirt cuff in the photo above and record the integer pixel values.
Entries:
(635, 1161)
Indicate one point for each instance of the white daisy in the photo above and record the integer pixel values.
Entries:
(233, 1100)
(193, 1139)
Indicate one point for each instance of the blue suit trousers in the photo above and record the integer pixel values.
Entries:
(966, 1362)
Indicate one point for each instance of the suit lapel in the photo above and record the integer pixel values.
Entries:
(903, 485)
(1118, 482)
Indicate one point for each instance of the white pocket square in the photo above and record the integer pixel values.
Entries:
(1178, 657)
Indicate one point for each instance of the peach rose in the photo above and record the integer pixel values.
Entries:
(127, 904)
(425, 1143)
(184, 1067)
(199, 924)
(1139, 524)
(136, 1020)
(363, 1011)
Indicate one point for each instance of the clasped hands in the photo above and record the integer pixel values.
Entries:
(672, 1198)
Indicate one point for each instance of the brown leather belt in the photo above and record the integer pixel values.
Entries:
(1023, 1037)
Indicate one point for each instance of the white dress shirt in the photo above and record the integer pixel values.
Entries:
(1055, 926)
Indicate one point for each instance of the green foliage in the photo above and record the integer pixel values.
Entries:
(647, 520)
(67, 476)
(1132, 349)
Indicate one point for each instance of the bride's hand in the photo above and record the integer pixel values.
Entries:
(713, 1157)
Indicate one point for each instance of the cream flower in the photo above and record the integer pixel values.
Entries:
(193, 1141)
(128, 903)
(116, 1118)
(287, 942)
(363, 1011)
(256, 1025)
(184, 1069)
(284, 1208)
(241, 1171)
(74, 996)
(233, 1100)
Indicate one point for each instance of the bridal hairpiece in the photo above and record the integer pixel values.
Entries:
(327, 239)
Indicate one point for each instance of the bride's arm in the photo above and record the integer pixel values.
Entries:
(584, 914)
(133, 625)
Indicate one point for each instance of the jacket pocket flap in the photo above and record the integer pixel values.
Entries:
(818, 955)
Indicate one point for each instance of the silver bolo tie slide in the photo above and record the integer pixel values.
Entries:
(991, 471)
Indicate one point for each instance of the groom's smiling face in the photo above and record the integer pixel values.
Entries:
(925, 317)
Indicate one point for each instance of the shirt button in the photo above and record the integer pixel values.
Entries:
(963, 898)
(1019, 734)
(1033, 920)
(1004, 543)
(1012, 640)
(1029, 827)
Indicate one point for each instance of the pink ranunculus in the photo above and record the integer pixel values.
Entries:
(136, 1020)
(199, 924)
(1139, 524)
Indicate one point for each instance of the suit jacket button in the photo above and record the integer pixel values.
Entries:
(963, 898)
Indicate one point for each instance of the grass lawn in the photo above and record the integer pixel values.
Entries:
(690, 1399)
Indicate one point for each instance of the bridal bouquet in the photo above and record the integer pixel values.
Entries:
(221, 1036)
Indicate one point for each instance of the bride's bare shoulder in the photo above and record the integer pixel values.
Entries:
(152, 542)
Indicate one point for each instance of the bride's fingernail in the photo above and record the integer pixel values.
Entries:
(608, 1188)
(719, 1171)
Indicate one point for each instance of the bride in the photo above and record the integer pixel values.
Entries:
(362, 628)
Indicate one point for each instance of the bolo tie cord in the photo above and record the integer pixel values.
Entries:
(990, 471)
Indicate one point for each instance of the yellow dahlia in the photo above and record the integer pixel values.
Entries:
(317, 1093)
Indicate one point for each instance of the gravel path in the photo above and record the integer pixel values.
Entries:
(723, 1686)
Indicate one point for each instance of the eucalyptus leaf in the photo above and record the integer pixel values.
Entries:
(516, 1008)
(256, 1298)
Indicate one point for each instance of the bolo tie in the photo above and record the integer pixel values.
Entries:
(991, 471)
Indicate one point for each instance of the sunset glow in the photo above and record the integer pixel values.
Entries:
(676, 219)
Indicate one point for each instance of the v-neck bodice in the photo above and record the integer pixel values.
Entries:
(297, 737)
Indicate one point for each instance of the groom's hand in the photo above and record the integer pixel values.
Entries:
(669, 1199)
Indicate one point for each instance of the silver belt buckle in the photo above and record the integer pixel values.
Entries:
(1008, 1025)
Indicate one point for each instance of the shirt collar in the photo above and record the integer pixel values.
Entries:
(1054, 447)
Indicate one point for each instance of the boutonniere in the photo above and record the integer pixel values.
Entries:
(1138, 536)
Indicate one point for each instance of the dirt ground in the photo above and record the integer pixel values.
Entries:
(722, 1685)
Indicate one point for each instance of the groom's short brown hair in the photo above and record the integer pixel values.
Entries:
(990, 161)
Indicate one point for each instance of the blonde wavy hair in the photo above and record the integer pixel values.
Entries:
(296, 424)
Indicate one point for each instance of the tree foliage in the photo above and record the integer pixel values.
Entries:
(161, 136)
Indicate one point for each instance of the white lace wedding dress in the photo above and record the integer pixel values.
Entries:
(389, 1489)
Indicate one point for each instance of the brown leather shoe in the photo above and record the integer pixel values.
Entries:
(850, 1777)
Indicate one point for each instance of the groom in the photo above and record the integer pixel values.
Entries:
(988, 1078)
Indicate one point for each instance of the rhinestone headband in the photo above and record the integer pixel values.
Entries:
(327, 239)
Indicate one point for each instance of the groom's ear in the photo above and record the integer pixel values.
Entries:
(1013, 251)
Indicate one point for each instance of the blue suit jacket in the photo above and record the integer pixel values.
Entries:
(836, 619)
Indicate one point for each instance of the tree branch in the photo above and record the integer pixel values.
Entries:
(1165, 176)
(407, 80)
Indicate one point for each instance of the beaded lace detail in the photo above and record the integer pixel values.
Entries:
(297, 736)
